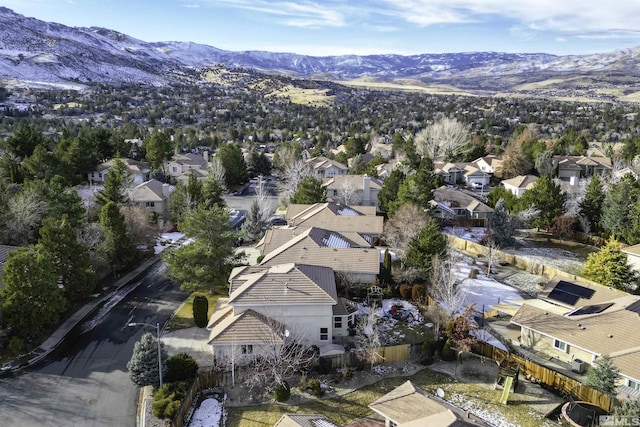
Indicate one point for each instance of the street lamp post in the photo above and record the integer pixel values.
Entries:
(157, 326)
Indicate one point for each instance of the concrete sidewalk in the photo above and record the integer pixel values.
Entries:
(193, 341)
(59, 334)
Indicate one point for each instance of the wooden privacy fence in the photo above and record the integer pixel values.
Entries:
(549, 377)
(203, 381)
(396, 353)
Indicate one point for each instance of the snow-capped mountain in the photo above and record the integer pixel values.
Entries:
(35, 51)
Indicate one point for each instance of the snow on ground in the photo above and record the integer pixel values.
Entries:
(491, 417)
(485, 336)
(473, 234)
(559, 258)
(482, 291)
(525, 282)
(208, 414)
(166, 240)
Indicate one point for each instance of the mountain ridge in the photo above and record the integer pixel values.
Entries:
(39, 51)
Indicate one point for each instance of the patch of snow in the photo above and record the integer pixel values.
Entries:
(492, 418)
(472, 234)
(484, 336)
(167, 240)
(208, 414)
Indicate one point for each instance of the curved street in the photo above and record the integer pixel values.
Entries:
(84, 382)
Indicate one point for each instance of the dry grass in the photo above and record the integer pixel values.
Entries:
(183, 318)
(310, 97)
(353, 406)
(406, 85)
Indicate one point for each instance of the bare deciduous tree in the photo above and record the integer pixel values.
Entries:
(216, 170)
(446, 137)
(444, 283)
(405, 224)
(292, 174)
(348, 194)
(25, 213)
(140, 225)
(368, 340)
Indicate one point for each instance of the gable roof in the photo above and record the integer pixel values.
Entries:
(521, 181)
(322, 163)
(148, 191)
(188, 159)
(356, 182)
(132, 166)
(316, 246)
(611, 330)
(591, 293)
(409, 405)
(284, 283)
(248, 327)
(457, 198)
(303, 420)
(576, 162)
(276, 237)
(336, 217)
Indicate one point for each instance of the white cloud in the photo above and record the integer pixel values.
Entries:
(192, 6)
(555, 15)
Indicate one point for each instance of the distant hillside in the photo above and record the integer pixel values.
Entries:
(33, 52)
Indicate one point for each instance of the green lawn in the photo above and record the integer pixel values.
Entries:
(184, 316)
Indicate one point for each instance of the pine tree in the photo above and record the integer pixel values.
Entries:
(254, 225)
(117, 245)
(604, 376)
(309, 191)
(429, 242)
(234, 165)
(547, 197)
(502, 225)
(386, 278)
(70, 259)
(143, 365)
(609, 267)
(31, 298)
(591, 205)
(114, 185)
(618, 200)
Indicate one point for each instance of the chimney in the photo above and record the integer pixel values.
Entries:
(205, 154)
(166, 193)
(366, 188)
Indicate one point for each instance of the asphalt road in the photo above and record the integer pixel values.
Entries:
(84, 382)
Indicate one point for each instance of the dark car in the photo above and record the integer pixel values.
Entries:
(277, 221)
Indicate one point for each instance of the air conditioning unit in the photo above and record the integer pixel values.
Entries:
(577, 366)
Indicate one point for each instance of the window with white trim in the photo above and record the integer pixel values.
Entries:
(246, 349)
(560, 345)
(324, 334)
(633, 384)
(337, 322)
(151, 204)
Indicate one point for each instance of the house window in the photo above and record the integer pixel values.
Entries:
(324, 334)
(337, 322)
(350, 320)
(247, 349)
(633, 384)
(175, 169)
(151, 204)
(560, 345)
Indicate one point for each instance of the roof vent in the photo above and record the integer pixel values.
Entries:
(610, 335)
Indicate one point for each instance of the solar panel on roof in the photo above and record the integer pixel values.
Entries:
(591, 309)
(635, 307)
(569, 293)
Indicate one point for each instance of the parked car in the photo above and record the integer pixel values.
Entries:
(477, 185)
(277, 221)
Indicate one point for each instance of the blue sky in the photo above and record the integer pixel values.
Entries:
(337, 27)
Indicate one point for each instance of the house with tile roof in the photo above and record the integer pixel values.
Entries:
(182, 164)
(410, 406)
(576, 167)
(153, 196)
(138, 172)
(346, 253)
(453, 203)
(268, 304)
(335, 217)
(324, 167)
(364, 189)
(519, 184)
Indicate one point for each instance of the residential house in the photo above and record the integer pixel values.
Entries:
(359, 190)
(633, 256)
(384, 170)
(576, 167)
(452, 203)
(4, 254)
(200, 174)
(182, 164)
(269, 304)
(152, 196)
(490, 164)
(326, 168)
(580, 335)
(519, 184)
(474, 176)
(409, 406)
(451, 173)
(138, 172)
(304, 420)
(335, 217)
(346, 253)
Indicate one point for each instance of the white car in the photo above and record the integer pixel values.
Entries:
(477, 185)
